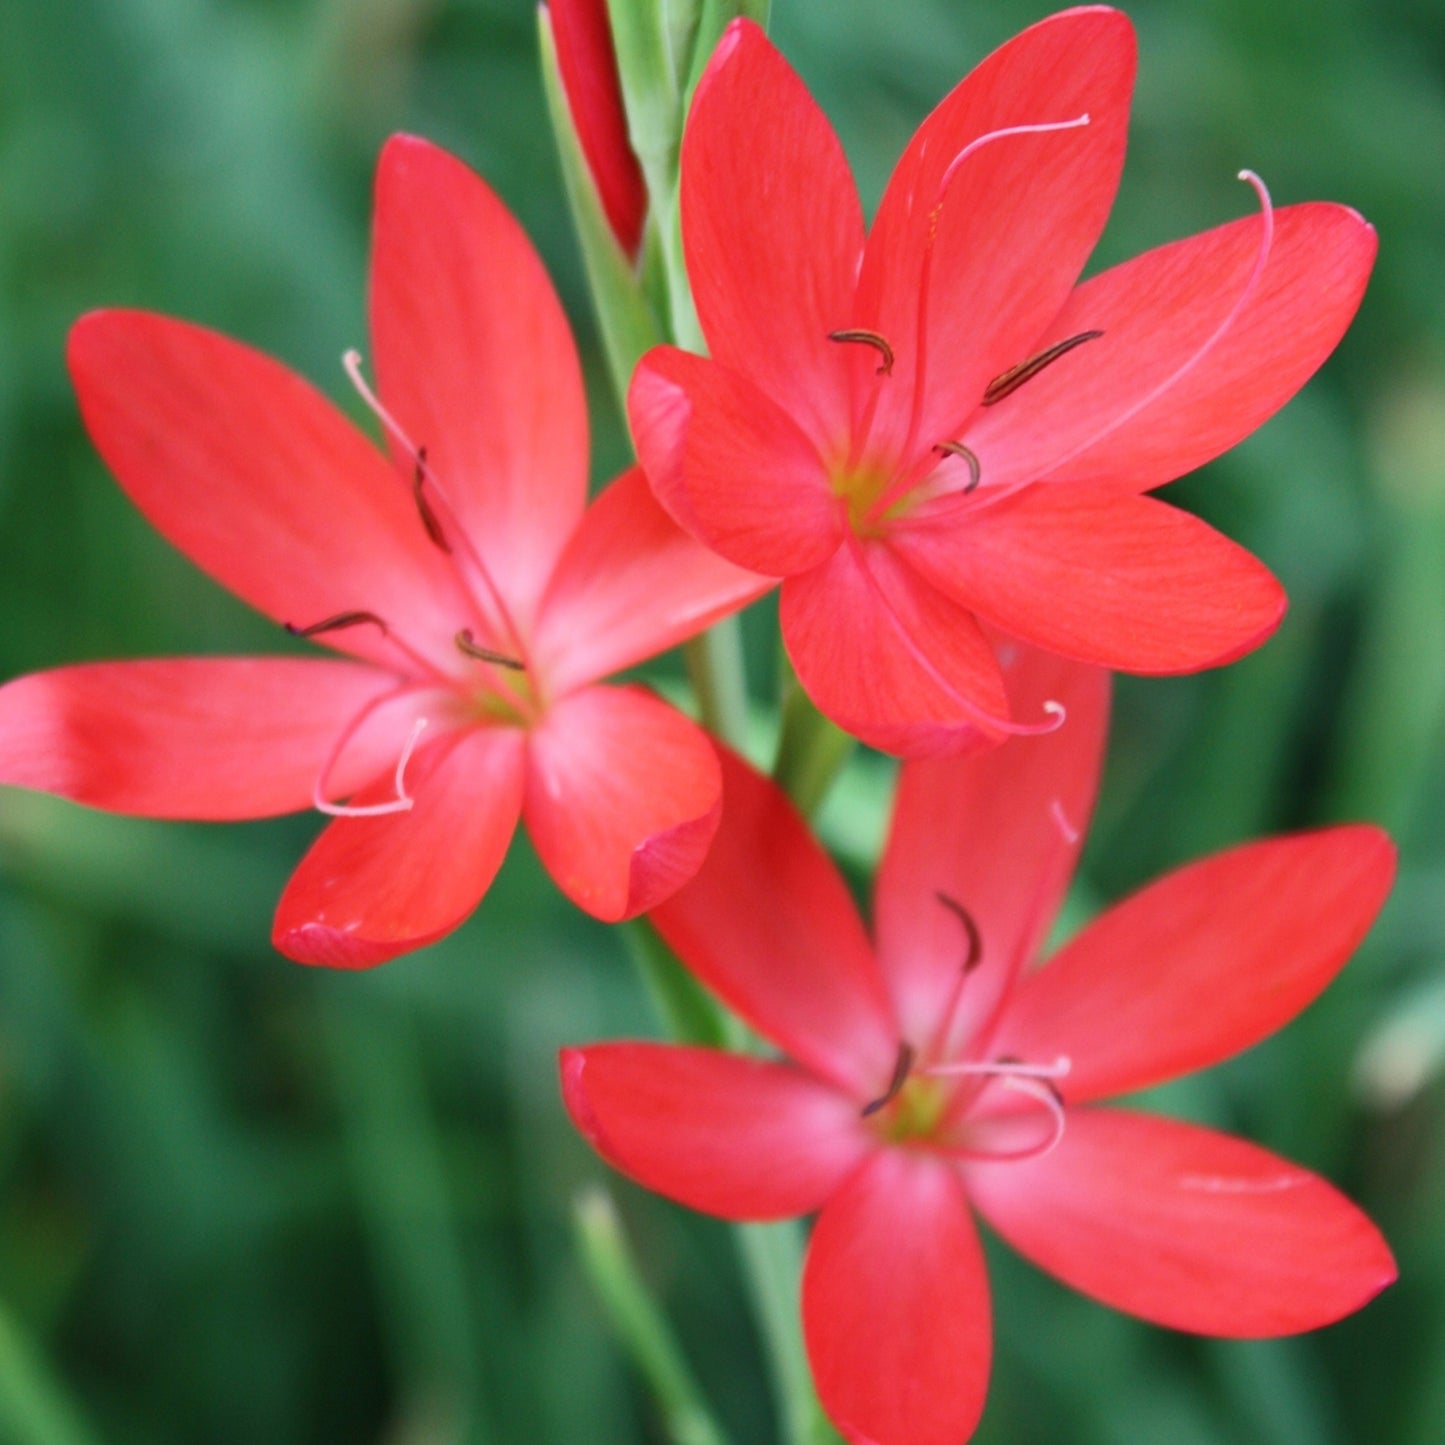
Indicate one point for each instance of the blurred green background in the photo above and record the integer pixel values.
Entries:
(241, 1201)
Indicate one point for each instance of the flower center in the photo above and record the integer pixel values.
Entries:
(858, 488)
(996, 1109)
(916, 1112)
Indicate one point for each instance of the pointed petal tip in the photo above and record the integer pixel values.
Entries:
(402, 151)
(1370, 837)
(1103, 18)
(89, 334)
(572, 1065)
(659, 866)
(1263, 614)
(666, 861)
(739, 31)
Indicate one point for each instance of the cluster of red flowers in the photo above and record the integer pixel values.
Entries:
(939, 442)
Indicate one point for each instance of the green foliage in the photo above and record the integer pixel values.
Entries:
(241, 1202)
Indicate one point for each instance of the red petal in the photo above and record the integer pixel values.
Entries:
(258, 479)
(631, 584)
(1203, 963)
(772, 230)
(1017, 223)
(728, 1135)
(769, 925)
(208, 738)
(1122, 581)
(890, 659)
(730, 466)
(623, 795)
(1138, 409)
(895, 1306)
(371, 888)
(476, 362)
(997, 833)
(588, 64)
(1186, 1227)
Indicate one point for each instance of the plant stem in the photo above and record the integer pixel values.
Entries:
(772, 1259)
(689, 1014)
(639, 1324)
(811, 749)
(719, 681)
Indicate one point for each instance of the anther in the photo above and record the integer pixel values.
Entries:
(957, 449)
(428, 517)
(1008, 382)
(900, 1076)
(336, 623)
(974, 956)
(464, 643)
(869, 338)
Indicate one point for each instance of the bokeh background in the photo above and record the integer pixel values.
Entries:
(241, 1201)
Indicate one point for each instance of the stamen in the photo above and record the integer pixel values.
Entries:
(428, 517)
(1009, 381)
(1035, 1080)
(402, 803)
(957, 449)
(351, 361)
(925, 276)
(1005, 1068)
(341, 620)
(336, 623)
(974, 956)
(869, 338)
(900, 1076)
(464, 643)
(1266, 244)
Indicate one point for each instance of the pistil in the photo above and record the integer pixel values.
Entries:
(403, 801)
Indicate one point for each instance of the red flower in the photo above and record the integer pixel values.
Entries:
(934, 425)
(939, 1069)
(478, 598)
(587, 61)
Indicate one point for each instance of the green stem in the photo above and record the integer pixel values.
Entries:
(35, 1408)
(689, 1013)
(640, 1325)
(811, 749)
(719, 681)
(772, 1259)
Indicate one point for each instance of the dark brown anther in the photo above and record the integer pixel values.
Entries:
(869, 338)
(957, 449)
(465, 644)
(974, 956)
(336, 623)
(1009, 381)
(900, 1075)
(428, 517)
